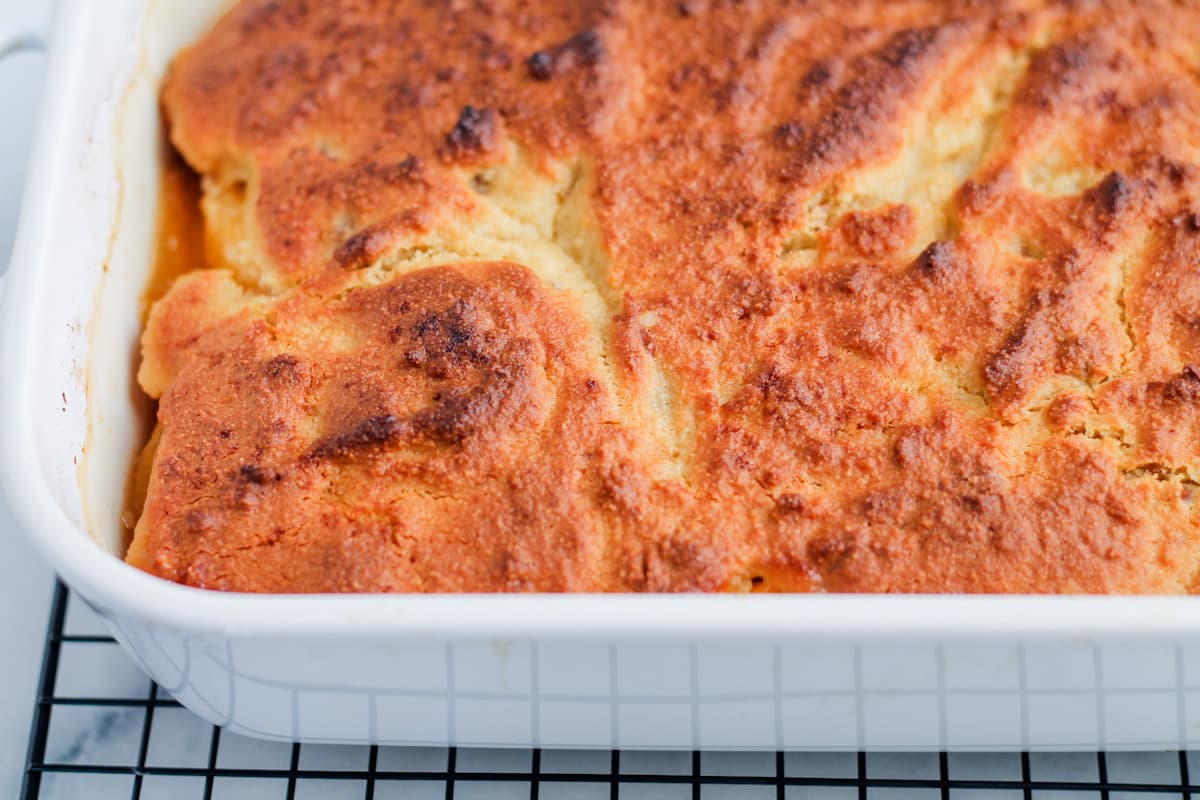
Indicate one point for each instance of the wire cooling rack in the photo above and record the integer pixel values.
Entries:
(101, 730)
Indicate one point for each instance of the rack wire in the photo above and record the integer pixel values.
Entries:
(170, 753)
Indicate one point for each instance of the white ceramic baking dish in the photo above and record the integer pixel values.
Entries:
(795, 672)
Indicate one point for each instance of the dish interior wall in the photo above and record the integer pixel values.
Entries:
(105, 327)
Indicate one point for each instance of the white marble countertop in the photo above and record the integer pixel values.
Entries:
(25, 582)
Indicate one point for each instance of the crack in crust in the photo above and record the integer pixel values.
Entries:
(527, 296)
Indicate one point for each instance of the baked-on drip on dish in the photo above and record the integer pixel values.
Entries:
(625, 296)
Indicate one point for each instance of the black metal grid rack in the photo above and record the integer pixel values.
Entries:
(172, 754)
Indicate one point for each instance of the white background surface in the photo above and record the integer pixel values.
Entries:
(25, 582)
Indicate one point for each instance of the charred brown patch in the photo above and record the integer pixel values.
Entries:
(281, 366)
(408, 170)
(980, 504)
(370, 244)
(1060, 72)
(937, 259)
(253, 473)
(411, 168)
(541, 66)
(830, 553)
(1184, 387)
(583, 50)
(734, 94)
(863, 107)
(791, 504)
(769, 38)
(819, 74)
(774, 382)
(1010, 373)
(1188, 221)
(364, 248)
(1112, 196)
(1175, 172)
(790, 134)
(446, 343)
(370, 432)
(906, 49)
(476, 132)
(457, 413)
(819, 82)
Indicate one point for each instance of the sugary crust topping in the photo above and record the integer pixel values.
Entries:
(609, 295)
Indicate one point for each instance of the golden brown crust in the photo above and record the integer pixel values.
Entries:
(609, 295)
(381, 430)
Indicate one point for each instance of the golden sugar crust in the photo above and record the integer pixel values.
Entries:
(614, 295)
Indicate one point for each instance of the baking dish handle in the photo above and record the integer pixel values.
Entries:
(24, 25)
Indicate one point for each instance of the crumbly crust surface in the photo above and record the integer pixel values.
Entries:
(612, 295)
